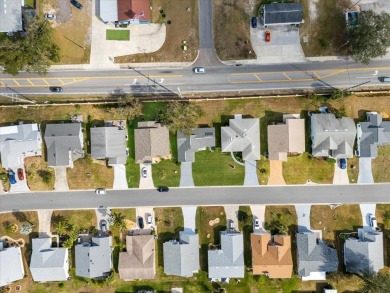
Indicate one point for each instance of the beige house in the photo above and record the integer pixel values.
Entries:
(138, 262)
(286, 138)
(151, 142)
(271, 255)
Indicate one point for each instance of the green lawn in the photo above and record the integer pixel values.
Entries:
(132, 173)
(118, 35)
(299, 169)
(381, 165)
(80, 219)
(29, 3)
(166, 173)
(215, 168)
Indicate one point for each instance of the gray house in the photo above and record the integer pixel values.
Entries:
(18, 142)
(282, 14)
(11, 264)
(200, 139)
(364, 254)
(331, 136)
(94, 259)
(372, 134)
(181, 258)
(109, 143)
(227, 262)
(11, 16)
(48, 263)
(315, 258)
(242, 135)
(64, 143)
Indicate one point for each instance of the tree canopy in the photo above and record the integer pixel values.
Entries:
(32, 53)
(376, 283)
(370, 38)
(180, 116)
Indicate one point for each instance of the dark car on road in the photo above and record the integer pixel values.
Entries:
(76, 4)
(141, 222)
(163, 189)
(56, 89)
(254, 22)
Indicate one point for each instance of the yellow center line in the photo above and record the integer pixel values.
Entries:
(272, 80)
(286, 76)
(45, 81)
(257, 77)
(61, 81)
(16, 82)
(30, 82)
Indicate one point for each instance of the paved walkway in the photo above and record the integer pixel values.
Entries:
(186, 179)
(303, 214)
(44, 219)
(146, 183)
(189, 216)
(61, 181)
(259, 212)
(232, 214)
(340, 175)
(120, 180)
(276, 173)
(365, 171)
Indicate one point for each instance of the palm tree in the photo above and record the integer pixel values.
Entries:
(119, 219)
(62, 227)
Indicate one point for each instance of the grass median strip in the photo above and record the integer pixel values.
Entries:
(118, 35)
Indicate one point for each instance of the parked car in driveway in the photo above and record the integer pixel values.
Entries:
(20, 174)
(254, 22)
(76, 4)
(140, 222)
(267, 36)
(103, 225)
(11, 177)
(256, 224)
(343, 164)
(163, 189)
(149, 219)
(372, 220)
(144, 172)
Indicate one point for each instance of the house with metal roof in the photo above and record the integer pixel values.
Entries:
(181, 258)
(331, 136)
(94, 258)
(364, 254)
(271, 255)
(11, 264)
(371, 134)
(18, 142)
(64, 144)
(109, 143)
(188, 145)
(125, 11)
(315, 258)
(242, 135)
(11, 16)
(227, 262)
(286, 138)
(138, 261)
(151, 142)
(282, 14)
(48, 263)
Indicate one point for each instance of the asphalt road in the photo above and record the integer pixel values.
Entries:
(316, 75)
(198, 196)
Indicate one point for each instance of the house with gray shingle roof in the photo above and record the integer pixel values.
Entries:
(331, 136)
(151, 142)
(138, 262)
(109, 143)
(242, 135)
(315, 258)
(371, 134)
(18, 142)
(48, 263)
(11, 16)
(64, 144)
(94, 258)
(181, 258)
(227, 262)
(364, 254)
(200, 139)
(11, 264)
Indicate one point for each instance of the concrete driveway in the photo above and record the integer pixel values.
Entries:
(44, 219)
(276, 173)
(102, 213)
(20, 185)
(259, 212)
(365, 171)
(189, 216)
(61, 181)
(251, 178)
(186, 179)
(284, 46)
(144, 212)
(120, 180)
(146, 183)
(340, 175)
(367, 209)
(232, 214)
(303, 214)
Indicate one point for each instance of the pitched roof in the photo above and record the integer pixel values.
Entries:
(11, 264)
(11, 16)
(364, 254)
(372, 134)
(109, 142)
(64, 143)
(271, 255)
(19, 141)
(314, 255)
(283, 13)
(138, 262)
(93, 260)
(48, 263)
(227, 262)
(133, 9)
(187, 146)
(151, 141)
(108, 10)
(181, 258)
(242, 135)
(332, 136)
